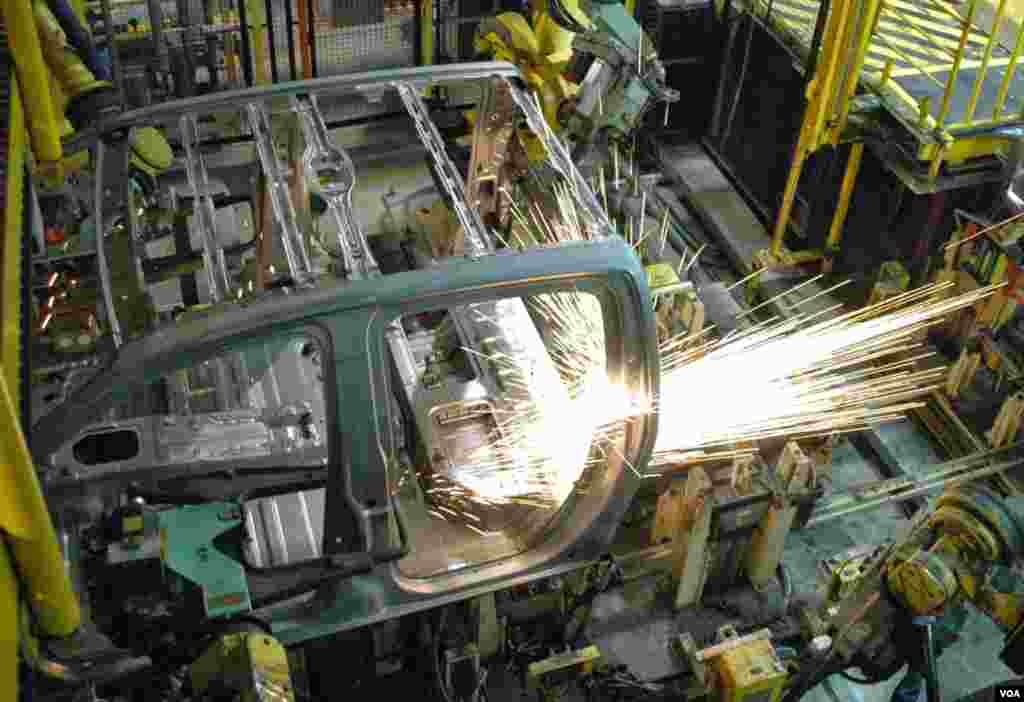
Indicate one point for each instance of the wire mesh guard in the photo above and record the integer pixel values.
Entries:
(169, 50)
(195, 47)
(348, 36)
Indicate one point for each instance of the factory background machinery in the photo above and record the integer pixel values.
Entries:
(342, 342)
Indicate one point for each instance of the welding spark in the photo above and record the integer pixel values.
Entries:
(806, 376)
(802, 377)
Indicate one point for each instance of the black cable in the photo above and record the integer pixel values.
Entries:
(438, 640)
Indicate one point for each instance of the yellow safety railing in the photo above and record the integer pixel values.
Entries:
(851, 32)
(974, 40)
(995, 116)
(844, 47)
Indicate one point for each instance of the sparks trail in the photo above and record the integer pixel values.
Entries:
(807, 376)
(802, 377)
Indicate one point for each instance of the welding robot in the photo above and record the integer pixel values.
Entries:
(592, 68)
(906, 602)
(886, 608)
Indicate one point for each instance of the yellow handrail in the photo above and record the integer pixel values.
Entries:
(1004, 88)
(824, 79)
(947, 95)
(875, 8)
(980, 80)
(822, 94)
(835, 232)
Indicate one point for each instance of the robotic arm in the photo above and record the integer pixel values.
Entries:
(593, 68)
(966, 551)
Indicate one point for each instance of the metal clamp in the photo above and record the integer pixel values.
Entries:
(284, 209)
(599, 224)
(477, 238)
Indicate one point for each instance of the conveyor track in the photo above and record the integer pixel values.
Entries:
(982, 464)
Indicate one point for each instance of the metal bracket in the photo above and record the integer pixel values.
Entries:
(204, 211)
(596, 219)
(478, 241)
(331, 167)
(493, 135)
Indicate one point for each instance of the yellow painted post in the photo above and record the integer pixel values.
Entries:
(256, 14)
(886, 72)
(924, 110)
(32, 539)
(792, 181)
(834, 86)
(34, 80)
(1004, 89)
(631, 6)
(955, 70)
(14, 197)
(936, 164)
(986, 57)
(24, 517)
(820, 96)
(824, 78)
(835, 232)
(873, 13)
(10, 607)
(427, 32)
